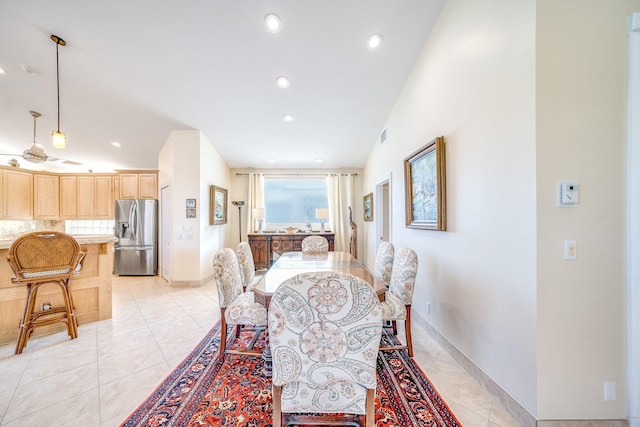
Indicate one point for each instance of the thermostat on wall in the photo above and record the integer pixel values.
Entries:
(568, 194)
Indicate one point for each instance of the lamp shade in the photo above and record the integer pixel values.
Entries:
(258, 212)
(322, 213)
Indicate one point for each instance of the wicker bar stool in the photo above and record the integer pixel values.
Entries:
(39, 258)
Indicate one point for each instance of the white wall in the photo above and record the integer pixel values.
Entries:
(526, 93)
(189, 164)
(581, 112)
(213, 171)
(474, 83)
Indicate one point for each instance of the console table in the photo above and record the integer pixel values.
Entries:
(264, 245)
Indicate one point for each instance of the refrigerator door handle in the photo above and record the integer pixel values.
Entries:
(132, 220)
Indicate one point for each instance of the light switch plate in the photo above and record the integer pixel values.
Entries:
(568, 194)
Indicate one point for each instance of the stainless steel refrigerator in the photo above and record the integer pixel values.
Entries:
(136, 251)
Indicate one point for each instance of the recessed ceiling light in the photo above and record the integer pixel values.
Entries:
(272, 22)
(3, 71)
(374, 41)
(271, 160)
(116, 144)
(288, 118)
(318, 160)
(29, 69)
(283, 82)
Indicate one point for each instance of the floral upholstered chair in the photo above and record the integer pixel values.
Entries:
(324, 331)
(247, 267)
(315, 245)
(236, 307)
(384, 263)
(397, 301)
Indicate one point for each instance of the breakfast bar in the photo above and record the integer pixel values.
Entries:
(91, 289)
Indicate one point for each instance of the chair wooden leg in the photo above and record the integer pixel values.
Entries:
(395, 327)
(276, 401)
(407, 328)
(223, 336)
(26, 316)
(370, 406)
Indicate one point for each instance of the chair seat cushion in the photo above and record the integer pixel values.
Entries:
(334, 397)
(243, 310)
(393, 308)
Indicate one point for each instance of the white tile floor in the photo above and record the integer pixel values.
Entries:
(99, 378)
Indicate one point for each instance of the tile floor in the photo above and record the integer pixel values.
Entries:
(99, 378)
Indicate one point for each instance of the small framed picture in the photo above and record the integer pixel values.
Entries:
(191, 213)
(367, 207)
(191, 203)
(218, 205)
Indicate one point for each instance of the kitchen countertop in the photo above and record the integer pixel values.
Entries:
(83, 239)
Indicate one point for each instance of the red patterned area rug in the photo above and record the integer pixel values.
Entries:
(202, 392)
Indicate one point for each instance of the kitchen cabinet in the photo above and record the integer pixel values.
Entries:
(264, 245)
(68, 197)
(46, 196)
(86, 197)
(138, 185)
(17, 194)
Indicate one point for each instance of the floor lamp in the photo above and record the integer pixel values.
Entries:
(239, 204)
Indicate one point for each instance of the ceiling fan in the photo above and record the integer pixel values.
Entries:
(35, 153)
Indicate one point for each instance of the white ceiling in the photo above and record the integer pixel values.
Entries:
(133, 71)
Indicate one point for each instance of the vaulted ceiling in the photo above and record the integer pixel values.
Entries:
(133, 71)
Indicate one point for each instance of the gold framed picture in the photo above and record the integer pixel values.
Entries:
(218, 205)
(367, 207)
(425, 189)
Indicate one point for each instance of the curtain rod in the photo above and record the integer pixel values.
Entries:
(299, 174)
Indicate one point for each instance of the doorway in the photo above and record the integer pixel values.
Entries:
(382, 205)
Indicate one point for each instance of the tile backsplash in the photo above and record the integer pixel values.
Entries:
(16, 228)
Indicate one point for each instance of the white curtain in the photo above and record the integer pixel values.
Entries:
(340, 189)
(255, 199)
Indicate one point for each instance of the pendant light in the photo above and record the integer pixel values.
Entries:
(59, 138)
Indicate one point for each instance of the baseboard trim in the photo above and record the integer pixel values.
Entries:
(583, 423)
(190, 283)
(519, 413)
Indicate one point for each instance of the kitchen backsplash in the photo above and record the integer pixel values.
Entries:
(16, 228)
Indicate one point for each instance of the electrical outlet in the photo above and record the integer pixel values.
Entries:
(46, 306)
(609, 391)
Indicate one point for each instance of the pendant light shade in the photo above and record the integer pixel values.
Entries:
(59, 138)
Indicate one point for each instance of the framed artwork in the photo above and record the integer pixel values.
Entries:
(191, 213)
(218, 205)
(191, 203)
(424, 186)
(367, 207)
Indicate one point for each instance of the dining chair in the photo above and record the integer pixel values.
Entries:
(37, 259)
(247, 267)
(315, 245)
(384, 263)
(236, 307)
(397, 302)
(324, 332)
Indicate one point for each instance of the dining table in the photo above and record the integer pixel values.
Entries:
(290, 264)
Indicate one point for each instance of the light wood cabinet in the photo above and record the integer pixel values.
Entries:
(17, 192)
(86, 197)
(46, 196)
(68, 197)
(104, 197)
(138, 185)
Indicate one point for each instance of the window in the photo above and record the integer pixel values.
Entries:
(293, 201)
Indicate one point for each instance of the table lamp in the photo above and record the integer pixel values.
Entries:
(322, 214)
(258, 213)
